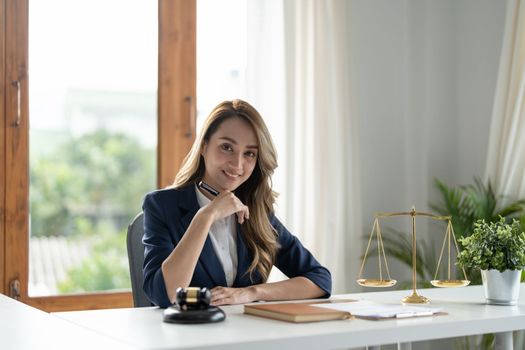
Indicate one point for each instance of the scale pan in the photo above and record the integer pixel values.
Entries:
(366, 282)
(450, 283)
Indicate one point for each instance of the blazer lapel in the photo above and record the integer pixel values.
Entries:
(243, 260)
(208, 259)
(211, 264)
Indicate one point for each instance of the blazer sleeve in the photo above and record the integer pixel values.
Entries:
(158, 245)
(294, 260)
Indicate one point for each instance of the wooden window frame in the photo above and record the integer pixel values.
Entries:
(176, 132)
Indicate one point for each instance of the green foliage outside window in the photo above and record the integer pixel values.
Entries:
(91, 187)
(105, 269)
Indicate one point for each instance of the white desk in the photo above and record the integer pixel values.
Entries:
(468, 315)
(24, 327)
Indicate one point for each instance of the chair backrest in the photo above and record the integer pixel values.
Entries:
(136, 260)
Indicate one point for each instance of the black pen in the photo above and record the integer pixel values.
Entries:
(208, 188)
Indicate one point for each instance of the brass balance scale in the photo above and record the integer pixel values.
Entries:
(414, 298)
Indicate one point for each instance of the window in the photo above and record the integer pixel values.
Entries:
(223, 77)
(92, 139)
(83, 127)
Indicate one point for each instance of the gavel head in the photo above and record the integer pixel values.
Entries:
(193, 298)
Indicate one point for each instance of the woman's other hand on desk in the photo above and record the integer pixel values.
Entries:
(226, 295)
(293, 288)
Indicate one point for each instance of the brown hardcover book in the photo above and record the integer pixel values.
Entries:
(294, 312)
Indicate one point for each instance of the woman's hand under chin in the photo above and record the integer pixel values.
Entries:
(226, 295)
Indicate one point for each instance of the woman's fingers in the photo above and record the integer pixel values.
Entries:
(227, 203)
(226, 295)
(222, 295)
(218, 295)
(243, 214)
(240, 217)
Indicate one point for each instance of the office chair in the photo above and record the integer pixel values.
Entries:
(136, 260)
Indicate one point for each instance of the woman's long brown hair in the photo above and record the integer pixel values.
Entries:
(256, 192)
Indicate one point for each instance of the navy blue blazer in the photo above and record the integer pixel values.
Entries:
(167, 215)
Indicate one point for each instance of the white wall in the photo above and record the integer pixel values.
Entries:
(423, 74)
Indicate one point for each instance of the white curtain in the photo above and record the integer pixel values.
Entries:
(506, 153)
(323, 201)
(298, 77)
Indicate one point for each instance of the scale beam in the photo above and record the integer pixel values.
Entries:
(414, 298)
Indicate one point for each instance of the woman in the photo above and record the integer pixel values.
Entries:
(227, 241)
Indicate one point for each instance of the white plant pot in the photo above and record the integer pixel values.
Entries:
(501, 288)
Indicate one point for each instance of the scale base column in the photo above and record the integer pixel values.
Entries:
(415, 299)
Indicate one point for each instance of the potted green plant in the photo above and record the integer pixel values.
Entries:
(498, 250)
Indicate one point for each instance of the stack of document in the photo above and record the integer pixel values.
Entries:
(370, 310)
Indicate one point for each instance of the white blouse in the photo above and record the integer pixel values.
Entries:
(223, 237)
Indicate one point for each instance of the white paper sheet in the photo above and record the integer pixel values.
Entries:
(364, 308)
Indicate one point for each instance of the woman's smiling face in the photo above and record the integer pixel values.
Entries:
(230, 155)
